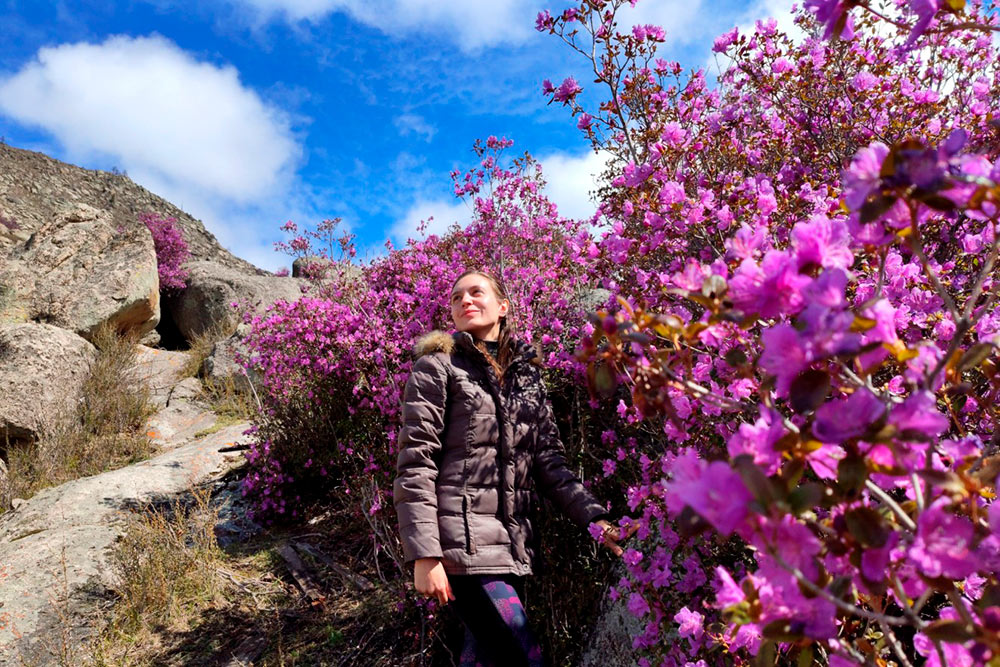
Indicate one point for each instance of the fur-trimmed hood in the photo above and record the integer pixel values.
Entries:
(442, 341)
(435, 341)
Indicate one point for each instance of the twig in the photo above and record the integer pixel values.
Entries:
(890, 637)
(959, 605)
(892, 504)
(830, 597)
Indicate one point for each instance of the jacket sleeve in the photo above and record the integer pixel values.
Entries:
(414, 490)
(554, 478)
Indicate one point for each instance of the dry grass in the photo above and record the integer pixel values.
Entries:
(229, 401)
(201, 346)
(166, 570)
(184, 601)
(106, 430)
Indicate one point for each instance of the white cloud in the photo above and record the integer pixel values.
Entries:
(570, 180)
(172, 122)
(409, 123)
(438, 214)
(780, 10)
(474, 24)
(684, 22)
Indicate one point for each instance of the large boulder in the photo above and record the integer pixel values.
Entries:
(79, 271)
(42, 371)
(206, 304)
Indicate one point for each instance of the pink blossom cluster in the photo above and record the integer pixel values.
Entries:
(796, 345)
(171, 249)
(806, 261)
(333, 364)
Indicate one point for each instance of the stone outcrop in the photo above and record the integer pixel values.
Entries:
(35, 187)
(42, 370)
(55, 568)
(78, 271)
(220, 365)
(206, 303)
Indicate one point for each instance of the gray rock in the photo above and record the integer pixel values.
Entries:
(187, 390)
(34, 187)
(206, 303)
(4, 487)
(221, 365)
(42, 370)
(54, 549)
(151, 339)
(78, 272)
(159, 371)
(591, 300)
(610, 641)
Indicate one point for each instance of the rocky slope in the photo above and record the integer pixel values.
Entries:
(54, 547)
(34, 188)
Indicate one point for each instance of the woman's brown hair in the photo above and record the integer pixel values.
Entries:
(505, 341)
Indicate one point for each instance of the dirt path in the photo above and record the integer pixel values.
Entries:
(54, 546)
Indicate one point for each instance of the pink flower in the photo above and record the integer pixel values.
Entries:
(544, 21)
(943, 547)
(771, 289)
(863, 175)
(714, 490)
(781, 65)
(567, 90)
(725, 40)
(637, 605)
(691, 624)
(758, 440)
(925, 11)
(784, 355)
(919, 414)
(822, 242)
(864, 81)
(834, 15)
(727, 591)
(838, 421)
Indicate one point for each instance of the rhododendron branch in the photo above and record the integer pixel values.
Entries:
(917, 246)
(891, 504)
(843, 605)
(897, 648)
(703, 392)
(955, 596)
(911, 610)
(977, 289)
(918, 490)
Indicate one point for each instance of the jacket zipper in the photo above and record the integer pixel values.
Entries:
(468, 532)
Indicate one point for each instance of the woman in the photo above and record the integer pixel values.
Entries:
(476, 443)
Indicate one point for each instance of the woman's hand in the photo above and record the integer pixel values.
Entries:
(430, 579)
(611, 535)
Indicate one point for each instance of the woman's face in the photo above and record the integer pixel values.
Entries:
(475, 307)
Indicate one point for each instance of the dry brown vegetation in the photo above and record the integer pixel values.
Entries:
(229, 401)
(201, 345)
(105, 430)
(180, 599)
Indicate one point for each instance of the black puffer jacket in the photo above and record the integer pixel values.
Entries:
(472, 455)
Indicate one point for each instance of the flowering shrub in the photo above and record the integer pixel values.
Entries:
(800, 347)
(805, 258)
(171, 249)
(332, 366)
(341, 355)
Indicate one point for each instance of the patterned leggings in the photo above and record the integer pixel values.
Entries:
(496, 627)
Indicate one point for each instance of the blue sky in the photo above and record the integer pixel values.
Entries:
(247, 113)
